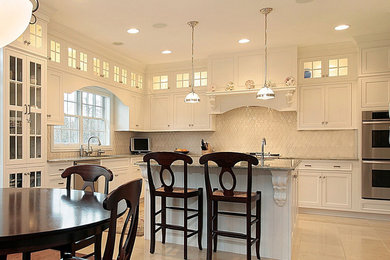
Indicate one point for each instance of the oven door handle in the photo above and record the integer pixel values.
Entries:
(377, 162)
(376, 122)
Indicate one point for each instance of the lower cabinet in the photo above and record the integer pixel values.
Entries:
(24, 177)
(54, 171)
(325, 189)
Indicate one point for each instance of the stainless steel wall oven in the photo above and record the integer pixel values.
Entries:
(376, 155)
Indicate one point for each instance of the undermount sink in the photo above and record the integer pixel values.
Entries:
(267, 156)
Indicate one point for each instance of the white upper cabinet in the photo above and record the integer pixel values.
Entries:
(241, 67)
(55, 102)
(375, 92)
(327, 69)
(34, 39)
(375, 60)
(191, 116)
(325, 107)
(161, 109)
(131, 117)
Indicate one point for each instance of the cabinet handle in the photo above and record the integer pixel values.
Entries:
(25, 106)
(137, 125)
(78, 68)
(169, 125)
(326, 122)
(307, 165)
(116, 175)
(101, 75)
(48, 116)
(61, 183)
(336, 166)
(27, 42)
(48, 58)
(61, 170)
(324, 177)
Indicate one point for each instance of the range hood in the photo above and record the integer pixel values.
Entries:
(223, 101)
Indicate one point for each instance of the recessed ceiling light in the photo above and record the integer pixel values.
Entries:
(117, 43)
(303, 1)
(133, 30)
(159, 25)
(166, 52)
(341, 27)
(244, 41)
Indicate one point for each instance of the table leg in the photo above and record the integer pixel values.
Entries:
(98, 246)
(26, 255)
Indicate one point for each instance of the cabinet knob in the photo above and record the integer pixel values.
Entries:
(307, 165)
(169, 125)
(48, 116)
(137, 125)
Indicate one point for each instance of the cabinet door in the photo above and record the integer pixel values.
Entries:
(55, 104)
(182, 113)
(35, 110)
(336, 190)
(309, 189)
(375, 60)
(139, 113)
(121, 176)
(338, 106)
(161, 112)
(375, 92)
(201, 116)
(16, 109)
(34, 177)
(311, 107)
(34, 38)
(133, 112)
(222, 72)
(30, 177)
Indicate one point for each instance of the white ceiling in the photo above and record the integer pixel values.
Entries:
(221, 24)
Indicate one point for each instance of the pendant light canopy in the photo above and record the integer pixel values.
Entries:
(192, 97)
(265, 92)
(15, 16)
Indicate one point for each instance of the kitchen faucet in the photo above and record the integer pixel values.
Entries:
(89, 147)
(263, 144)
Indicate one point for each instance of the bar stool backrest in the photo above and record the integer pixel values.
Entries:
(165, 160)
(227, 161)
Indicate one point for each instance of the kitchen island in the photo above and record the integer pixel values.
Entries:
(277, 182)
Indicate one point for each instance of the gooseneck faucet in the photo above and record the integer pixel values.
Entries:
(263, 144)
(89, 148)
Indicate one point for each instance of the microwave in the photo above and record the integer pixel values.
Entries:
(139, 145)
(376, 135)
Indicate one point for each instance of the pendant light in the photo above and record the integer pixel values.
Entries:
(192, 97)
(15, 15)
(265, 92)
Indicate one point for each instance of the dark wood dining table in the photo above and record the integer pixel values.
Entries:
(38, 219)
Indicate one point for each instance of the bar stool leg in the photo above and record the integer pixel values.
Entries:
(258, 226)
(163, 218)
(209, 230)
(248, 231)
(185, 226)
(152, 223)
(26, 256)
(98, 246)
(215, 223)
(200, 217)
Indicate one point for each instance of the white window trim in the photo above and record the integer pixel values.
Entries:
(75, 148)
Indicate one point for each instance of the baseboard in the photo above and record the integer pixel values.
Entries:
(345, 214)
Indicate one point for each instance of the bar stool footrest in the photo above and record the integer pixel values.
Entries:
(179, 208)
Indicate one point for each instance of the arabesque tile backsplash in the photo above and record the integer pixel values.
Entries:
(242, 130)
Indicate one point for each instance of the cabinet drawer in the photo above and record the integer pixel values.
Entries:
(326, 165)
(58, 168)
(115, 163)
(135, 160)
(56, 182)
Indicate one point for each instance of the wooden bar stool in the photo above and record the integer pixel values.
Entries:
(227, 160)
(165, 160)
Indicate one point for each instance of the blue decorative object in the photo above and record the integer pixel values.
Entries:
(307, 74)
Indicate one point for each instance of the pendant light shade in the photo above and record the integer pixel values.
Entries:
(192, 97)
(15, 16)
(265, 92)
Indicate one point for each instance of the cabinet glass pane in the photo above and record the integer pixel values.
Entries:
(38, 179)
(316, 65)
(38, 147)
(19, 180)
(11, 183)
(32, 96)
(333, 63)
(12, 68)
(333, 72)
(39, 74)
(308, 65)
(19, 70)
(15, 132)
(316, 73)
(12, 122)
(19, 147)
(32, 146)
(343, 71)
(19, 123)
(12, 94)
(19, 94)
(32, 179)
(12, 147)
(39, 98)
(343, 62)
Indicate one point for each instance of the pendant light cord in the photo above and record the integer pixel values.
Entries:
(192, 59)
(265, 50)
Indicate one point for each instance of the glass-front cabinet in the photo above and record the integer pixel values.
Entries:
(331, 68)
(24, 113)
(25, 177)
(34, 38)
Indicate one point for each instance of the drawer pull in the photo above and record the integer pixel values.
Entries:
(336, 166)
(61, 183)
(307, 165)
(61, 170)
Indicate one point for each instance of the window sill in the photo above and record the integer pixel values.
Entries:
(64, 149)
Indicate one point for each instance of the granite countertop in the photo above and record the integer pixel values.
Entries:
(275, 164)
(88, 158)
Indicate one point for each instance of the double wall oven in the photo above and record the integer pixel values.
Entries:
(376, 155)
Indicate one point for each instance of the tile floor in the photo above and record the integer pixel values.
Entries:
(315, 238)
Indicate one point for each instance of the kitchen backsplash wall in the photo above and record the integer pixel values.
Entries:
(120, 145)
(242, 130)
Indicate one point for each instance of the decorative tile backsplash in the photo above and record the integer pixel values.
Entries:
(242, 130)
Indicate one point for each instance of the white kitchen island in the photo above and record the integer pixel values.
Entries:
(277, 182)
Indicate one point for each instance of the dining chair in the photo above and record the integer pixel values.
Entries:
(90, 174)
(130, 192)
(165, 160)
(226, 161)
